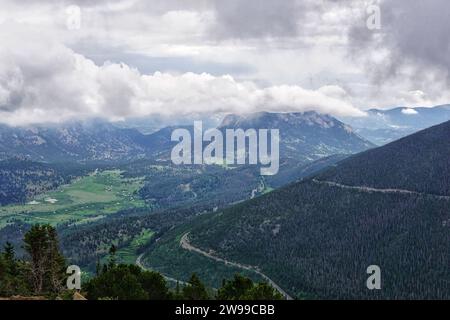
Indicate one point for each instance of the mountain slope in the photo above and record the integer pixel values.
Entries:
(317, 239)
(90, 141)
(303, 136)
(419, 162)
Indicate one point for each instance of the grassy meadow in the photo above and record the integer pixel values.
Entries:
(86, 199)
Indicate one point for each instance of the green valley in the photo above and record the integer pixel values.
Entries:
(129, 254)
(85, 199)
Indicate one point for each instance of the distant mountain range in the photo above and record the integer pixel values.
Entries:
(384, 126)
(39, 158)
(78, 141)
(304, 137)
(387, 207)
(309, 142)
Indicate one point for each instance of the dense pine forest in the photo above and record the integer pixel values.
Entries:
(419, 162)
(317, 237)
(43, 274)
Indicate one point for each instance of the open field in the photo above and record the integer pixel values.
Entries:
(129, 254)
(85, 200)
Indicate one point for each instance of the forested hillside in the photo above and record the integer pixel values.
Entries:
(42, 275)
(20, 179)
(420, 162)
(317, 239)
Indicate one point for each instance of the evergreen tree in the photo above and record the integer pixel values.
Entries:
(112, 256)
(235, 289)
(3, 275)
(11, 274)
(121, 282)
(98, 268)
(9, 252)
(104, 268)
(243, 288)
(47, 265)
(155, 285)
(195, 290)
(178, 294)
(10, 258)
(56, 263)
(262, 291)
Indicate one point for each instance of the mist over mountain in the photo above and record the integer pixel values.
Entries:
(151, 124)
(77, 141)
(304, 137)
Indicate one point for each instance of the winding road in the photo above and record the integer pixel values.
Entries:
(141, 265)
(377, 190)
(184, 243)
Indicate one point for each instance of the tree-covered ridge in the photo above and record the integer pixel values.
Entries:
(43, 273)
(73, 141)
(420, 162)
(317, 239)
(304, 136)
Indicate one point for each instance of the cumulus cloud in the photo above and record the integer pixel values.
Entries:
(47, 82)
(219, 56)
(409, 111)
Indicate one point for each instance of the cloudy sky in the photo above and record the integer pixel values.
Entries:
(61, 60)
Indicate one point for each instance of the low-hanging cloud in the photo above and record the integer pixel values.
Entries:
(48, 82)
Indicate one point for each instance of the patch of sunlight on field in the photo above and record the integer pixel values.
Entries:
(85, 199)
(129, 254)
